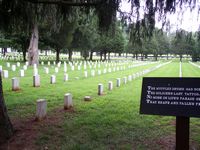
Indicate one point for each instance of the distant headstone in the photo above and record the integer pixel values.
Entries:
(15, 84)
(8, 64)
(100, 89)
(92, 73)
(13, 68)
(18, 64)
(21, 74)
(5, 73)
(72, 68)
(68, 101)
(129, 78)
(56, 70)
(110, 85)
(65, 77)
(53, 79)
(36, 80)
(25, 67)
(99, 72)
(125, 80)
(41, 109)
(118, 82)
(47, 70)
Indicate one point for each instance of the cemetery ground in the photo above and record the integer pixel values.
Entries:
(108, 121)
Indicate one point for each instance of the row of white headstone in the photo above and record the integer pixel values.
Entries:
(35, 70)
(36, 79)
(41, 107)
(130, 78)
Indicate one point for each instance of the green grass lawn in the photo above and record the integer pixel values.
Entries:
(111, 121)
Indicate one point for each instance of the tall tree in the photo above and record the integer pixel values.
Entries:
(6, 128)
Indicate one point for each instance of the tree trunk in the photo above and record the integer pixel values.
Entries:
(4, 51)
(70, 55)
(104, 54)
(156, 57)
(142, 57)
(24, 56)
(101, 55)
(108, 55)
(57, 55)
(167, 56)
(46, 52)
(6, 128)
(33, 55)
(136, 56)
(126, 55)
(181, 57)
(91, 55)
(146, 56)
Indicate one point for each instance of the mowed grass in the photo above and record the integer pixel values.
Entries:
(111, 121)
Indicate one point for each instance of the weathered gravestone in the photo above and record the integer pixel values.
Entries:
(68, 101)
(41, 109)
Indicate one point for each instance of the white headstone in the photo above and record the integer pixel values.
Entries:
(56, 70)
(68, 101)
(99, 72)
(59, 64)
(110, 85)
(1, 68)
(8, 64)
(18, 64)
(36, 80)
(13, 68)
(41, 109)
(72, 68)
(21, 74)
(26, 63)
(85, 74)
(49, 63)
(118, 82)
(100, 89)
(25, 67)
(65, 77)
(79, 67)
(5, 73)
(129, 78)
(15, 84)
(92, 73)
(42, 63)
(53, 79)
(46, 70)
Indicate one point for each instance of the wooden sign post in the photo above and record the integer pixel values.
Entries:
(178, 97)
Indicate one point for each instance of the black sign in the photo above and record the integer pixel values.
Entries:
(171, 96)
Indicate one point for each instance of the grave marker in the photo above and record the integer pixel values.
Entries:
(100, 89)
(41, 109)
(36, 80)
(68, 101)
(15, 84)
